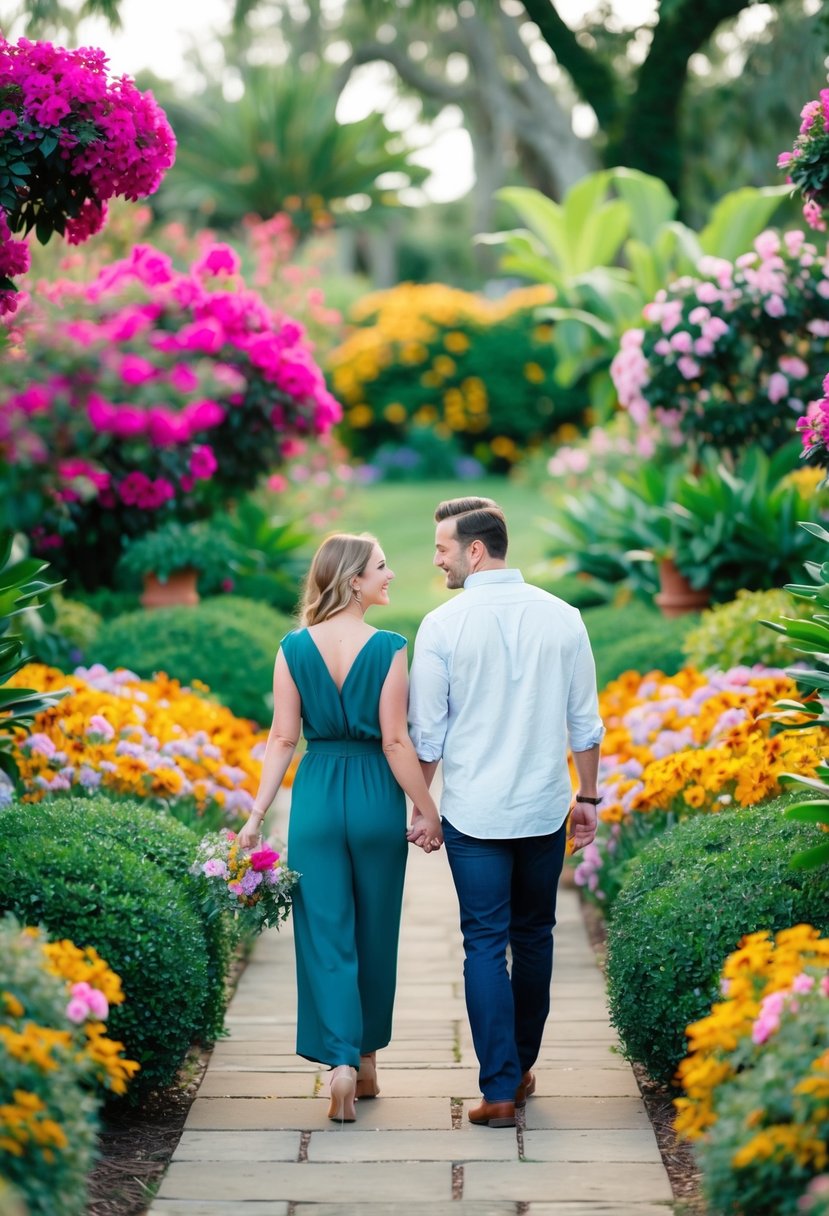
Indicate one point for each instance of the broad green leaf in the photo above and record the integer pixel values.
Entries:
(600, 235)
(738, 218)
(809, 812)
(651, 202)
(809, 859)
(544, 217)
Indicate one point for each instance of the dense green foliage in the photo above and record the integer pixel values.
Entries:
(635, 637)
(732, 634)
(138, 918)
(168, 844)
(229, 643)
(687, 900)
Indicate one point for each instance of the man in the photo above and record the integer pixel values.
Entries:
(502, 678)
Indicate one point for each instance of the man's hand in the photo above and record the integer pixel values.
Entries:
(582, 826)
(424, 834)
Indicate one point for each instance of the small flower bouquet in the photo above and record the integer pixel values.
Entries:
(255, 886)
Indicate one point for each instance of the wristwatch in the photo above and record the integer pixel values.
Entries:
(584, 798)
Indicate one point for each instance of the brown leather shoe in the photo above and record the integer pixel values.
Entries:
(526, 1089)
(493, 1114)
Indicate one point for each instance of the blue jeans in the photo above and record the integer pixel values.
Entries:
(507, 895)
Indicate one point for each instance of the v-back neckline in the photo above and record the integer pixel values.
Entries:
(340, 687)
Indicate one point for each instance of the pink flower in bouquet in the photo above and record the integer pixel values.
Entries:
(264, 858)
(215, 868)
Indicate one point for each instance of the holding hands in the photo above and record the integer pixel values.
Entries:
(425, 832)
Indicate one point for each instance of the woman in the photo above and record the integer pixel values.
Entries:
(347, 684)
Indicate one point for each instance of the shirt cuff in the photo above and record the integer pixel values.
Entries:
(583, 743)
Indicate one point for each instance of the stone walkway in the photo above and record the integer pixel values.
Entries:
(257, 1141)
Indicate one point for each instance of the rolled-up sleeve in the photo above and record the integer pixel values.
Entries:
(428, 693)
(584, 726)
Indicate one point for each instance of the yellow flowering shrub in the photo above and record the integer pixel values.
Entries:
(430, 356)
(55, 1058)
(151, 739)
(756, 1077)
(682, 745)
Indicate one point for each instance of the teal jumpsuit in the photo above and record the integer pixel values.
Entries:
(347, 839)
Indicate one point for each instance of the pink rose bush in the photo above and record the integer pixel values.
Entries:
(807, 164)
(70, 139)
(147, 394)
(730, 357)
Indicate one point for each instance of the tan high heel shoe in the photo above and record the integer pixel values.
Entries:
(343, 1091)
(367, 1086)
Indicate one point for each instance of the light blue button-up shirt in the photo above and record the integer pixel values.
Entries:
(502, 680)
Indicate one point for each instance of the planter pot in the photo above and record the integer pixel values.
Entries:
(180, 588)
(676, 595)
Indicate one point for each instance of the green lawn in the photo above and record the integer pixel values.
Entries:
(401, 516)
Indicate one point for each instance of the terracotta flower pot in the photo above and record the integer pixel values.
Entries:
(676, 595)
(180, 588)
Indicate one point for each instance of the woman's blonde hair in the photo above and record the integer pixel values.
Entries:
(328, 589)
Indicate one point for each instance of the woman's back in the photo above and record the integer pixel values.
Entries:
(348, 707)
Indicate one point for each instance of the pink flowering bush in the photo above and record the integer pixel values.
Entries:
(807, 164)
(814, 427)
(148, 394)
(731, 357)
(70, 139)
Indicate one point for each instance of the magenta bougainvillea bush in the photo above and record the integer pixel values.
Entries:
(147, 394)
(70, 139)
(732, 356)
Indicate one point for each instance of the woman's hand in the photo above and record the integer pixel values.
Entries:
(251, 833)
(425, 833)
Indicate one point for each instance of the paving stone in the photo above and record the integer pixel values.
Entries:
(308, 1114)
(337, 1183)
(260, 1084)
(187, 1207)
(528, 1182)
(406, 1207)
(462, 1145)
(591, 1146)
(594, 1208)
(238, 1146)
(578, 1113)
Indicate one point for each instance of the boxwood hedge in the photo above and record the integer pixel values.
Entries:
(83, 885)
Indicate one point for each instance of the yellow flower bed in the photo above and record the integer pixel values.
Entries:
(760, 967)
(428, 355)
(695, 742)
(55, 1058)
(143, 738)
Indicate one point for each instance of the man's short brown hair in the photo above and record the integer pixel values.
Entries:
(477, 519)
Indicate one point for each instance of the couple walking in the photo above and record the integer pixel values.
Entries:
(502, 681)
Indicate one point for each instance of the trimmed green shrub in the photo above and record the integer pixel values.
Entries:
(168, 844)
(732, 634)
(687, 900)
(229, 643)
(51, 1175)
(101, 894)
(635, 637)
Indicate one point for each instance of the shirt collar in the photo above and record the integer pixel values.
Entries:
(482, 577)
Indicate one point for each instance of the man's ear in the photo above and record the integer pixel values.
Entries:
(476, 550)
